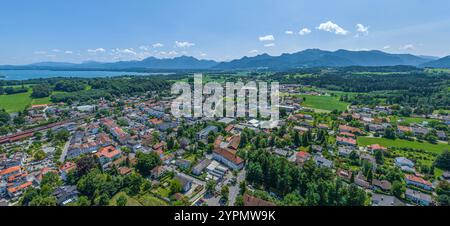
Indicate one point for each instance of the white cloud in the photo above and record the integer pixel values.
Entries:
(158, 45)
(332, 27)
(267, 38)
(289, 32)
(269, 45)
(171, 53)
(254, 51)
(98, 50)
(304, 31)
(363, 30)
(407, 47)
(56, 50)
(129, 51)
(184, 44)
(68, 52)
(387, 47)
(203, 54)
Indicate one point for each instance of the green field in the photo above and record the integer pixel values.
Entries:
(434, 148)
(18, 102)
(409, 120)
(130, 201)
(327, 103)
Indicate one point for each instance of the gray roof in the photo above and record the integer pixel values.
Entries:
(385, 200)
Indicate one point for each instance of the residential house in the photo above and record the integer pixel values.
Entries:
(418, 197)
(385, 200)
(418, 182)
(185, 182)
(203, 134)
(254, 201)
(107, 155)
(66, 194)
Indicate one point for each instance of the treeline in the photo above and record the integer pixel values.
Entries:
(12, 90)
(308, 185)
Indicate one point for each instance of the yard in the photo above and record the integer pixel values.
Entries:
(399, 143)
(130, 201)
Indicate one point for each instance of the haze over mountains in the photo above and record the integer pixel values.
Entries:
(306, 58)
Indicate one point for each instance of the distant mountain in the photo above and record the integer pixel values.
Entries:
(306, 58)
(440, 63)
(177, 63)
(317, 57)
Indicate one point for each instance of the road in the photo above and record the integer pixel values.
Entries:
(234, 190)
(64, 151)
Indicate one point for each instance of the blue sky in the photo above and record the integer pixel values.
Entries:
(112, 30)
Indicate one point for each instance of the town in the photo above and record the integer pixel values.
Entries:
(131, 151)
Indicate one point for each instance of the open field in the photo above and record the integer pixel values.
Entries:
(434, 148)
(327, 103)
(18, 102)
(409, 120)
(130, 201)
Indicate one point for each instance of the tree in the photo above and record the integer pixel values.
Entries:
(210, 186)
(4, 117)
(443, 160)
(225, 192)
(146, 162)
(39, 155)
(389, 133)
(175, 187)
(398, 189)
(41, 90)
(379, 157)
(85, 164)
(121, 200)
(62, 135)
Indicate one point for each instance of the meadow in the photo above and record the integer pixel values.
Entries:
(326, 103)
(399, 143)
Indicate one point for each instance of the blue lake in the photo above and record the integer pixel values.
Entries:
(33, 74)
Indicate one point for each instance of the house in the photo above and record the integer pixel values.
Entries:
(344, 151)
(349, 129)
(66, 194)
(183, 163)
(254, 201)
(418, 197)
(322, 161)
(420, 131)
(404, 164)
(418, 182)
(16, 191)
(316, 148)
(344, 174)
(124, 170)
(383, 185)
(361, 181)
(203, 134)
(158, 172)
(228, 158)
(385, 200)
(404, 130)
(197, 170)
(185, 182)
(442, 135)
(5, 173)
(345, 141)
(108, 154)
(66, 169)
(376, 147)
(302, 157)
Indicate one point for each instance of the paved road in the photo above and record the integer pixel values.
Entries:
(64, 152)
(234, 190)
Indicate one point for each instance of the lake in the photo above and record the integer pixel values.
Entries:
(34, 74)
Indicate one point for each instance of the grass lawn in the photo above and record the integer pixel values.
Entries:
(164, 192)
(18, 102)
(130, 201)
(434, 148)
(410, 120)
(327, 103)
(150, 200)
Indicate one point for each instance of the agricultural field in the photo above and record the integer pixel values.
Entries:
(326, 103)
(18, 102)
(399, 143)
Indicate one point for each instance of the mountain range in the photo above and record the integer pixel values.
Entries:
(306, 58)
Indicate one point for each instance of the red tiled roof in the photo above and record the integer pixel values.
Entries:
(228, 155)
(68, 166)
(10, 170)
(108, 152)
(346, 140)
(419, 180)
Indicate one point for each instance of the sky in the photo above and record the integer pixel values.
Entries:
(113, 30)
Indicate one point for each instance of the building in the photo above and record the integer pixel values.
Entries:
(385, 200)
(418, 182)
(185, 182)
(198, 169)
(302, 157)
(107, 155)
(203, 134)
(404, 164)
(66, 169)
(346, 141)
(66, 194)
(228, 158)
(418, 197)
(322, 161)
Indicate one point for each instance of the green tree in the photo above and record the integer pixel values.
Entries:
(146, 162)
(175, 187)
(443, 160)
(398, 189)
(121, 200)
